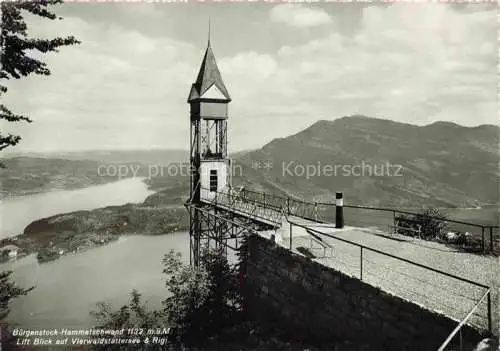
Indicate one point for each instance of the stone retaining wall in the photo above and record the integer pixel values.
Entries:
(318, 303)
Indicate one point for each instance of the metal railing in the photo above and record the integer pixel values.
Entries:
(368, 217)
(458, 329)
(292, 206)
(363, 249)
(274, 208)
(237, 203)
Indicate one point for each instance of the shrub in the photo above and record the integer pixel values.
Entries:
(203, 299)
(47, 254)
(430, 221)
(134, 315)
(8, 291)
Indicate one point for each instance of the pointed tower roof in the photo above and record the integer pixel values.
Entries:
(209, 78)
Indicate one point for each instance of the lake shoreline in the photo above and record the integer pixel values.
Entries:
(54, 255)
(68, 288)
(26, 253)
(54, 236)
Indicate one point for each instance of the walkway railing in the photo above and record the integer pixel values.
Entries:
(458, 329)
(234, 201)
(363, 250)
(274, 208)
(365, 216)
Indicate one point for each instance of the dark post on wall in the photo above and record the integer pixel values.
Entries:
(339, 210)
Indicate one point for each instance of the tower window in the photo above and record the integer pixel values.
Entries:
(213, 180)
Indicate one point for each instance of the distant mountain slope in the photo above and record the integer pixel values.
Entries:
(34, 173)
(29, 175)
(154, 156)
(442, 164)
(145, 157)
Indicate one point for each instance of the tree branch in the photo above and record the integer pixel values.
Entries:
(6, 114)
(14, 42)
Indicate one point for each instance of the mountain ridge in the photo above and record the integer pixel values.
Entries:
(444, 164)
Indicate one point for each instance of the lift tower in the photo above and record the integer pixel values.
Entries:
(209, 162)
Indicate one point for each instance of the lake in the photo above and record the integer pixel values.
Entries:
(17, 212)
(68, 288)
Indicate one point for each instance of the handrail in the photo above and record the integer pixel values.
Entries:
(282, 213)
(314, 232)
(239, 224)
(464, 320)
(298, 212)
(393, 256)
(369, 208)
(319, 239)
(232, 200)
(364, 247)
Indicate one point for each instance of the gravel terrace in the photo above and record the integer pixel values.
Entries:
(431, 290)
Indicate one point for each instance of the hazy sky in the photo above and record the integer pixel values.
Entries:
(285, 66)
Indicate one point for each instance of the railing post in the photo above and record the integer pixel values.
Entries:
(491, 239)
(461, 341)
(489, 312)
(290, 236)
(361, 263)
(288, 205)
(482, 240)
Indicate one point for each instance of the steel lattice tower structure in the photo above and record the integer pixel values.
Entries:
(209, 162)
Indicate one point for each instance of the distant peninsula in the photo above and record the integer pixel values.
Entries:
(52, 237)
